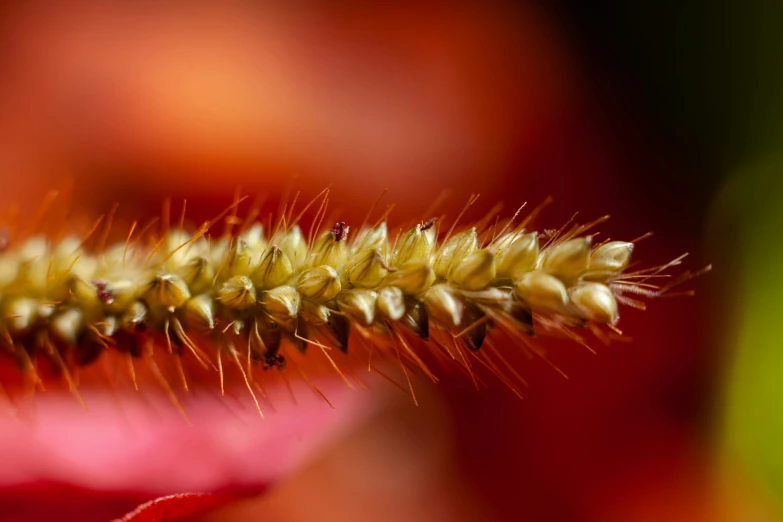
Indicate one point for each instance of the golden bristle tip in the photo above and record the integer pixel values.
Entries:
(258, 296)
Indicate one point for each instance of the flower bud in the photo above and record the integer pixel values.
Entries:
(367, 271)
(569, 259)
(67, 325)
(294, 246)
(453, 251)
(167, 290)
(476, 271)
(595, 302)
(238, 293)
(359, 303)
(444, 305)
(391, 302)
(199, 312)
(275, 269)
(413, 277)
(281, 303)
(609, 260)
(542, 292)
(517, 256)
(412, 246)
(319, 284)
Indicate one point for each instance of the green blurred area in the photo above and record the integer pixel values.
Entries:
(710, 74)
(745, 235)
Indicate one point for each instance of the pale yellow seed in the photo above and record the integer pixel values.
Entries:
(9, 268)
(199, 312)
(238, 293)
(21, 314)
(108, 326)
(391, 302)
(294, 245)
(367, 271)
(135, 315)
(359, 303)
(172, 251)
(254, 238)
(505, 240)
(319, 284)
(167, 290)
(67, 325)
(328, 251)
(242, 261)
(373, 239)
(609, 260)
(83, 293)
(431, 235)
(444, 305)
(595, 302)
(476, 271)
(542, 292)
(198, 274)
(568, 260)
(491, 296)
(123, 292)
(33, 247)
(275, 269)
(281, 303)
(454, 251)
(413, 277)
(69, 259)
(219, 252)
(517, 256)
(412, 246)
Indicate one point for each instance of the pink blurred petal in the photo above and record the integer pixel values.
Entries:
(138, 443)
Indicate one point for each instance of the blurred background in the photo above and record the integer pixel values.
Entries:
(667, 115)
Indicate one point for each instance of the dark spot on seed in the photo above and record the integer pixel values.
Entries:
(102, 291)
(428, 224)
(339, 230)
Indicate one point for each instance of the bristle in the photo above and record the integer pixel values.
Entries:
(419, 302)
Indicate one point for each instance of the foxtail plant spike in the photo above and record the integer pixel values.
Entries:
(256, 297)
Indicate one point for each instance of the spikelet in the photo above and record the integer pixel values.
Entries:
(274, 292)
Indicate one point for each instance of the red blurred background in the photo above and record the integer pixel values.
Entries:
(139, 102)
